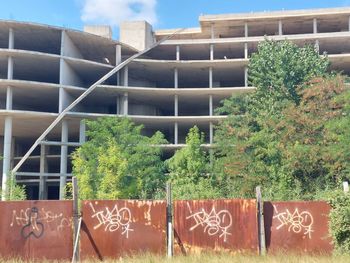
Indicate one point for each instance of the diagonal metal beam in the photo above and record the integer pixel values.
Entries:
(85, 93)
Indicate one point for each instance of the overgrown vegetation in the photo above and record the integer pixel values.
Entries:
(14, 191)
(118, 161)
(190, 170)
(340, 221)
(291, 135)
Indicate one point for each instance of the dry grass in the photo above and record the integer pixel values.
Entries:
(220, 258)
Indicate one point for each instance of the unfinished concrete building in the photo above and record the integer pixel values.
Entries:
(171, 88)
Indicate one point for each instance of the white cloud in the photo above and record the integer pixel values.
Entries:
(113, 12)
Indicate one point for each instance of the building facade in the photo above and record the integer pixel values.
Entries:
(172, 87)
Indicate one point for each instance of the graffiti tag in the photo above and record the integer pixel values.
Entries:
(213, 223)
(296, 222)
(114, 219)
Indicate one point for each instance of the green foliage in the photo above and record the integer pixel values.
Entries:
(291, 135)
(189, 170)
(14, 192)
(340, 221)
(277, 68)
(118, 161)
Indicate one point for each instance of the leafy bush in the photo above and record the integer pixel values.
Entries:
(14, 192)
(340, 221)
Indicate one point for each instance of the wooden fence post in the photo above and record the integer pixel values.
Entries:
(261, 225)
(169, 219)
(76, 220)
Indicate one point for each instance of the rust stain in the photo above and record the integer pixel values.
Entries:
(219, 225)
(33, 230)
(297, 226)
(116, 228)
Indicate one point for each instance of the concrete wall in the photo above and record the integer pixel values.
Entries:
(138, 34)
(100, 30)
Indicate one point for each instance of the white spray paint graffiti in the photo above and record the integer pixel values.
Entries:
(213, 223)
(22, 217)
(113, 219)
(296, 221)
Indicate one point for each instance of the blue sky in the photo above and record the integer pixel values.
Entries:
(162, 13)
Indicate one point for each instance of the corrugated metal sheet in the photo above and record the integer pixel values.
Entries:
(297, 226)
(112, 229)
(229, 225)
(36, 229)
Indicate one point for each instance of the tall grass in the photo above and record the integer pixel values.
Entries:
(217, 258)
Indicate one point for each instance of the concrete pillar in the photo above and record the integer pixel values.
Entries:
(211, 133)
(64, 157)
(177, 52)
(211, 51)
(246, 33)
(349, 24)
(246, 76)
(176, 105)
(245, 50)
(210, 77)
(9, 98)
(315, 25)
(280, 28)
(210, 105)
(10, 68)
(11, 39)
(176, 133)
(317, 46)
(6, 162)
(126, 76)
(82, 129)
(43, 169)
(118, 54)
(176, 78)
(212, 31)
(126, 104)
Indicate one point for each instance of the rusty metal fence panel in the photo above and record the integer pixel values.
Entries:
(36, 230)
(297, 226)
(114, 228)
(221, 225)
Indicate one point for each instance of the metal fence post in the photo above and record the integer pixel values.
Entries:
(76, 220)
(169, 219)
(261, 225)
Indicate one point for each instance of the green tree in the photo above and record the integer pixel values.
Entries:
(278, 67)
(189, 170)
(117, 161)
(283, 135)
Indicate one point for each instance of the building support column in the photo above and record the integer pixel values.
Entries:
(176, 106)
(246, 50)
(6, 166)
(64, 157)
(317, 46)
(349, 24)
(212, 31)
(118, 60)
(246, 33)
(82, 129)
(6, 158)
(177, 52)
(314, 23)
(246, 76)
(211, 51)
(126, 104)
(43, 169)
(280, 28)
(211, 133)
